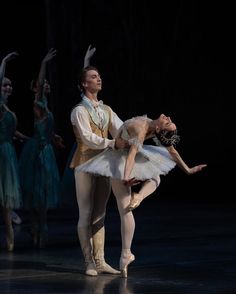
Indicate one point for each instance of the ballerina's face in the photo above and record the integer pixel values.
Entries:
(6, 87)
(165, 123)
(46, 87)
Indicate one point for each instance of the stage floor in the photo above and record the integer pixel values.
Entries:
(179, 248)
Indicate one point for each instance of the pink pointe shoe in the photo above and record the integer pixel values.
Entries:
(135, 201)
(124, 262)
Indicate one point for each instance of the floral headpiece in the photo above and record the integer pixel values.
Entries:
(168, 138)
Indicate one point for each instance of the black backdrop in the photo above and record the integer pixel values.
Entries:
(176, 57)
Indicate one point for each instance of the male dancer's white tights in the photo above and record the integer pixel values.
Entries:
(92, 195)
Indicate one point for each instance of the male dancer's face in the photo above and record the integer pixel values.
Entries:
(93, 81)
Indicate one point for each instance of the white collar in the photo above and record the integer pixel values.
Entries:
(93, 103)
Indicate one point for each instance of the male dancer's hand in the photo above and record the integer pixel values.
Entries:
(121, 143)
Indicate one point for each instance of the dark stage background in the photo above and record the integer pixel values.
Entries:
(175, 57)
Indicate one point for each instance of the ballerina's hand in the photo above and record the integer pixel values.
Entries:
(10, 56)
(197, 168)
(51, 53)
(131, 182)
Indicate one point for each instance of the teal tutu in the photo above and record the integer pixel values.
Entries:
(39, 175)
(10, 192)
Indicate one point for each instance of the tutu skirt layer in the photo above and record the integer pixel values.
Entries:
(150, 162)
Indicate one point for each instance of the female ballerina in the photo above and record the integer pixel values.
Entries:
(10, 192)
(138, 163)
(38, 167)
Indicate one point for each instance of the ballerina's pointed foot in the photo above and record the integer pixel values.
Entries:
(10, 239)
(135, 201)
(10, 247)
(124, 262)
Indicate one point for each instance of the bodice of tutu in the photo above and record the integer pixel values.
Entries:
(7, 127)
(43, 130)
(124, 133)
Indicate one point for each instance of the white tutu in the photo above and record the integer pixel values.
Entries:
(150, 162)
